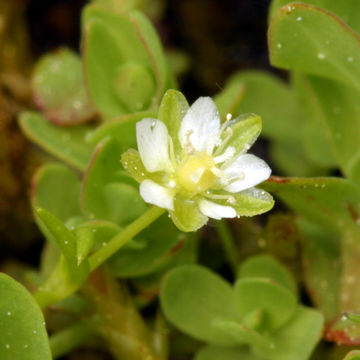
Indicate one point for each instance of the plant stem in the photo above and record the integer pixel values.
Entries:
(124, 236)
(66, 340)
(228, 244)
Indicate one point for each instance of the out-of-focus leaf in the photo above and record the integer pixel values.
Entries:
(59, 89)
(212, 352)
(192, 298)
(333, 203)
(68, 144)
(297, 339)
(265, 266)
(268, 97)
(322, 267)
(353, 355)
(340, 107)
(315, 140)
(277, 303)
(45, 191)
(161, 241)
(290, 159)
(23, 334)
(108, 192)
(131, 75)
(122, 129)
(348, 11)
(313, 41)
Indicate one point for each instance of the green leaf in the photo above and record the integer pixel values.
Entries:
(253, 294)
(56, 229)
(265, 266)
(23, 334)
(63, 281)
(271, 99)
(45, 191)
(290, 159)
(297, 339)
(131, 51)
(212, 352)
(186, 215)
(348, 11)
(59, 89)
(173, 108)
(193, 298)
(68, 144)
(122, 129)
(353, 355)
(134, 86)
(340, 109)
(315, 139)
(108, 193)
(322, 267)
(332, 203)
(313, 41)
(243, 335)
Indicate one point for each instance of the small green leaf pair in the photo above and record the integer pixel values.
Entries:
(260, 311)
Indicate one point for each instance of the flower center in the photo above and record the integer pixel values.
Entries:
(196, 173)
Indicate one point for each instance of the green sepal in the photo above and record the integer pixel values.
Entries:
(248, 202)
(245, 130)
(172, 110)
(186, 215)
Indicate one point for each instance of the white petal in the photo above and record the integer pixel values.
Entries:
(216, 211)
(200, 126)
(156, 194)
(245, 172)
(153, 144)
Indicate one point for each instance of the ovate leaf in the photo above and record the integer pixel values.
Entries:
(23, 334)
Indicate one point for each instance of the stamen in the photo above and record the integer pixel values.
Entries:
(226, 155)
(229, 180)
(229, 198)
(216, 171)
(189, 148)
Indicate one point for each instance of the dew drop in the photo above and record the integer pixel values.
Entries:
(299, 18)
(279, 46)
(34, 331)
(26, 346)
(350, 59)
(321, 56)
(66, 242)
(104, 243)
(7, 346)
(9, 313)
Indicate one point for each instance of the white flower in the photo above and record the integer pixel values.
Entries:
(205, 171)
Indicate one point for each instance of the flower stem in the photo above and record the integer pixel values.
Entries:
(228, 245)
(124, 236)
